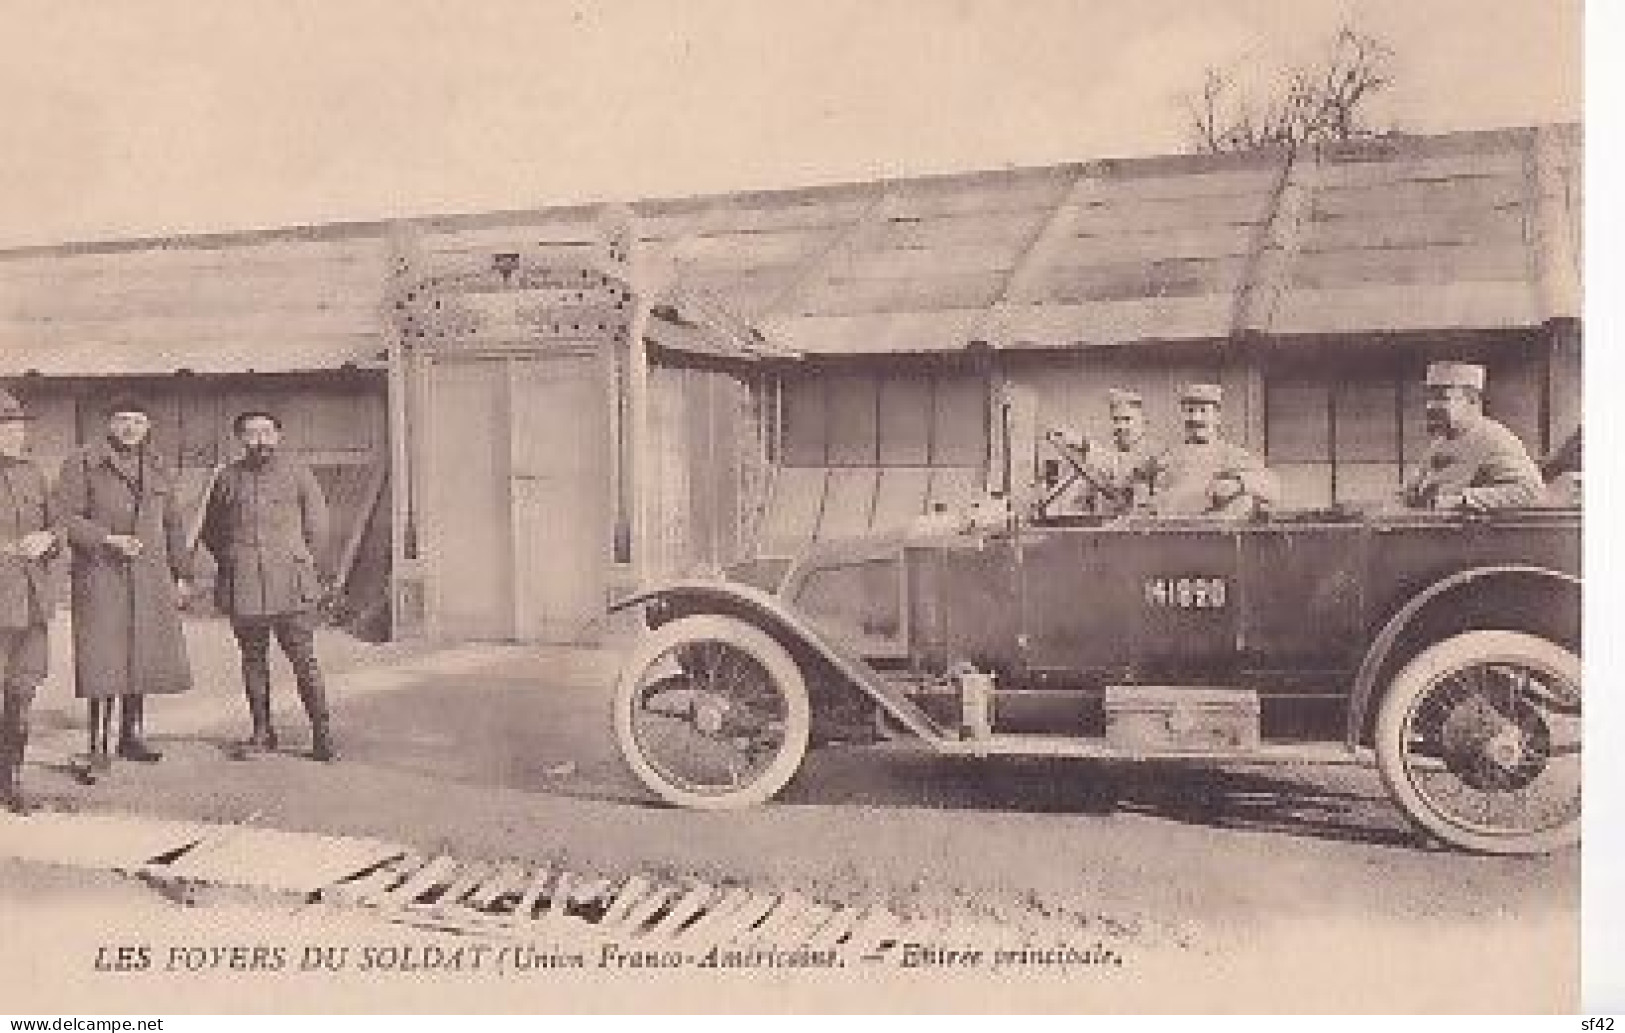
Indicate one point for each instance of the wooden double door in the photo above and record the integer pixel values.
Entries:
(519, 495)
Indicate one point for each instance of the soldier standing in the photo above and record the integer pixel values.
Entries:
(26, 542)
(266, 524)
(1472, 463)
(1206, 474)
(118, 504)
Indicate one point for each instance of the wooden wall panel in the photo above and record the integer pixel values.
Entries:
(796, 503)
(806, 422)
(852, 417)
(1304, 485)
(1513, 396)
(849, 502)
(1367, 412)
(905, 421)
(1299, 420)
(959, 429)
(900, 494)
(1368, 482)
(204, 434)
(54, 431)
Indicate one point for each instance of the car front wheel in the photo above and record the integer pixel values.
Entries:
(1478, 740)
(712, 713)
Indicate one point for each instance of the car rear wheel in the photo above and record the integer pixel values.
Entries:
(712, 713)
(1478, 740)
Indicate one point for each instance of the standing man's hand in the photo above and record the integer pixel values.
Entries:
(126, 545)
(36, 544)
(183, 592)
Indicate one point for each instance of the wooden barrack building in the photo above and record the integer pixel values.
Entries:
(521, 414)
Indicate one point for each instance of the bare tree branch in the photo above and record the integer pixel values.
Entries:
(1325, 100)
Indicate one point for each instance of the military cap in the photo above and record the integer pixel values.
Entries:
(1455, 374)
(1211, 394)
(1067, 434)
(126, 403)
(11, 410)
(1117, 398)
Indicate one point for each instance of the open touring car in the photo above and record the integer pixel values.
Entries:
(1448, 647)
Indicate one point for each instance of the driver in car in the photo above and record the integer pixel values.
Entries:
(1204, 474)
(1110, 478)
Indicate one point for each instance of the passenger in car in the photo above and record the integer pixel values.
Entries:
(1204, 474)
(1472, 463)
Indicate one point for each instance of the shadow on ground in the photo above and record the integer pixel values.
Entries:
(557, 740)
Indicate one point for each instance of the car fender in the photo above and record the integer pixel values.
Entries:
(746, 602)
(1377, 653)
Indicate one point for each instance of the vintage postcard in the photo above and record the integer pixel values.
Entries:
(852, 507)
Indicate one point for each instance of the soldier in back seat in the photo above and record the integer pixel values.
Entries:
(1472, 464)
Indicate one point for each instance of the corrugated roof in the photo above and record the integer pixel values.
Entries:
(1463, 231)
(93, 358)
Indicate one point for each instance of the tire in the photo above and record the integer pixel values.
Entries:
(1492, 713)
(767, 697)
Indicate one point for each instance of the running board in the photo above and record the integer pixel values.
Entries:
(1087, 748)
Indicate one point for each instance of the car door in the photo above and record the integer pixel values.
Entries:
(1142, 600)
(1303, 597)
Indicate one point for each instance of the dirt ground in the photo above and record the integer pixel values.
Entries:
(1242, 889)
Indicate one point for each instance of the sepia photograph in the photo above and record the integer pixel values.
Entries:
(902, 506)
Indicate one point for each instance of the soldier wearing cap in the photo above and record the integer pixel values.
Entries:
(119, 506)
(1205, 474)
(1472, 463)
(27, 541)
(266, 523)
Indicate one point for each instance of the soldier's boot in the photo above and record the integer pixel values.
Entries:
(131, 744)
(13, 742)
(313, 694)
(262, 734)
(96, 761)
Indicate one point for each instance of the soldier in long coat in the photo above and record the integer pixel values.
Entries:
(27, 540)
(267, 524)
(117, 502)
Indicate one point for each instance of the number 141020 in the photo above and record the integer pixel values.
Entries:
(1187, 593)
